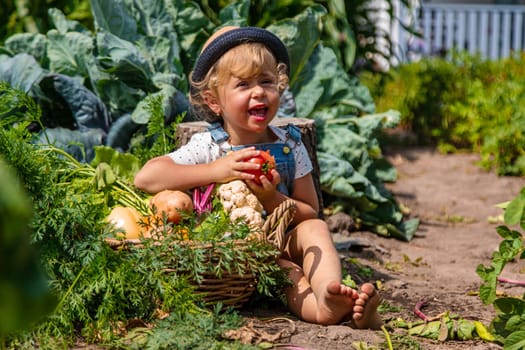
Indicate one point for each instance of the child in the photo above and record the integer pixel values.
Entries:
(236, 86)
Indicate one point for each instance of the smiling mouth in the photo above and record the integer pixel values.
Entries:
(258, 112)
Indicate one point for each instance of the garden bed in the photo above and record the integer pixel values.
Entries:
(455, 201)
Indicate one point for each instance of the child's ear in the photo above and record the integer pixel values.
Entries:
(211, 100)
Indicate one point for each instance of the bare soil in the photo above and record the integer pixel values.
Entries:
(456, 202)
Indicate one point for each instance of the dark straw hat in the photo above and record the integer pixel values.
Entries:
(234, 37)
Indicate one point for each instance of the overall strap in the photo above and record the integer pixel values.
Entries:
(217, 133)
(294, 133)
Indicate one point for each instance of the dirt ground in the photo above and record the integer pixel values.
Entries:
(455, 201)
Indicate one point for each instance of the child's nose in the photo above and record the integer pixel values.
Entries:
(258, 90)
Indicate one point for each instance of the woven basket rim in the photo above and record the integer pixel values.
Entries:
(116, 243)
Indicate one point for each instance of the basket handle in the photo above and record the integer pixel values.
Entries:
(277, 222)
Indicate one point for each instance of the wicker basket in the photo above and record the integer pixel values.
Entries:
(233, 289)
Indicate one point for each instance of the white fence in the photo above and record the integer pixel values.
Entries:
(493, 31)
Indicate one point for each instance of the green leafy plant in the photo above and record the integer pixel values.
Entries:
(94, 89)
(186, 331)
(99, 288)
(349, 27)
(92, 284)
(508, 326)
(19, 16)
(447, 327)
(24, 291)
(461, 103)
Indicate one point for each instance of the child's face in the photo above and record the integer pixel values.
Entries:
(248, 105)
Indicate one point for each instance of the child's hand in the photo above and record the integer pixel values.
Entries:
(267, 189)
(233, 167)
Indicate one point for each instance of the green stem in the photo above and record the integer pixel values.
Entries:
(129, 190)
(86, 170)
(129, 202)
(63, 153)
(129, 197)
(80, 171)
(387, 336)
(70, 289)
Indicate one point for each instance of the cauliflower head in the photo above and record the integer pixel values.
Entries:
(239, 202)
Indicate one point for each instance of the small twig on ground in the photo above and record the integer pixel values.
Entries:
(418, 312)
(421, 315)
(508, 280)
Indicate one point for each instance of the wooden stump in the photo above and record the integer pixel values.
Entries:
(308, 134)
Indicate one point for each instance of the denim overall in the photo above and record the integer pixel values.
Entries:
(282, 152)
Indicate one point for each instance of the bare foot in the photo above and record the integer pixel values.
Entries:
(365, 309)
(338, 302)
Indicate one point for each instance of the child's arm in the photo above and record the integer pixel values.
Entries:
(163, 173)
(306, 195)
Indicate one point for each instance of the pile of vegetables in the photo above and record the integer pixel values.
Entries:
(174, 212)
(165, 207)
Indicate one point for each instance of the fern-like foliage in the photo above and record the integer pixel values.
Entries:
(99, 289)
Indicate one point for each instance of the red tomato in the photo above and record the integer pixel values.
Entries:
(267, 162)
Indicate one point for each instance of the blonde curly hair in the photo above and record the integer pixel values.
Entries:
(245, 60)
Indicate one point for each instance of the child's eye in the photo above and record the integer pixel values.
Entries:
(268, 81)
(241, 83)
